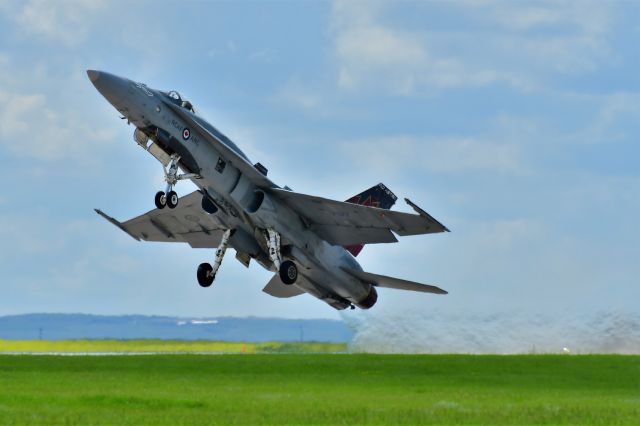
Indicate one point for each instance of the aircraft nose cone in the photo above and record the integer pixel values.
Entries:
(93, 75)
(115, 89)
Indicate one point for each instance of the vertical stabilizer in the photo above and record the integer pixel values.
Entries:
(377, 196)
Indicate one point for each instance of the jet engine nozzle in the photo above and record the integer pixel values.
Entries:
(370, 300)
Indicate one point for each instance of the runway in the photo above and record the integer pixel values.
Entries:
(113, 353)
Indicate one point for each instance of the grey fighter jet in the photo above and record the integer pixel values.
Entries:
(309, 242)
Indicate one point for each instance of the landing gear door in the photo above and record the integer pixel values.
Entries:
(160, 154)
(143, 140)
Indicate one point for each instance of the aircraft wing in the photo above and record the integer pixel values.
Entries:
(341, 223)
(231, 156)
(187, 223)
(390, 282)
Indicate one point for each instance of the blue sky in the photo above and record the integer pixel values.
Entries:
(514, 123)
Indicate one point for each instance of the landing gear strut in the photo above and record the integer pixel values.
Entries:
(273, 241)
(207, 273)
(169, 198)
(287, 270)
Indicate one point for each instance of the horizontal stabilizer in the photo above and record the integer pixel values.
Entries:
(277, 288)
(390, 282)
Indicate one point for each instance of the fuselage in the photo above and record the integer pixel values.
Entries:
(236, 202)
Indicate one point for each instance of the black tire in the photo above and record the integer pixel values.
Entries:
(203, 275)
(161, 199)
(172, 200)
(288, 272)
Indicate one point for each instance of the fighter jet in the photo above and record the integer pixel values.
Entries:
(308, 242)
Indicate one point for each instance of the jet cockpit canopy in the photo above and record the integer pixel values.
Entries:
(177, 99)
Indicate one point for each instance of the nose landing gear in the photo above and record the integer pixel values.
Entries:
(169, 197)
(161, 199)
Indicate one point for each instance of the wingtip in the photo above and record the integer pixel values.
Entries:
(424, 214)
(438, 290)
(107, 217)
(116, 223)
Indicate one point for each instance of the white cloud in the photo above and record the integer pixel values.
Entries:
(370, 53)
(31, 127)
(15, 111)
(380, 46)
(294, 93)
(588, 17)
(220, 50)
(266, 55)
(436, 155)
(512, 43)
(47, 118)
(605, 127)
(373, 47)
(66, 21)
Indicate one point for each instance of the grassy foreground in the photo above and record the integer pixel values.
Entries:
(319, 389)
(153, 345)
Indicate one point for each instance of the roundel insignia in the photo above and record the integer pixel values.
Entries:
(186, 134)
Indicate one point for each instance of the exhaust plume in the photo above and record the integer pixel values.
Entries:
(497, 333)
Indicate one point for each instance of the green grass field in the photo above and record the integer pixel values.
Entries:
(319, 389)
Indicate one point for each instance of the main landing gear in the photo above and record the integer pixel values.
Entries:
(206, 272)
(169, 197)
(287, 270)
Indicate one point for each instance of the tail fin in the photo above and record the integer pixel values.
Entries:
(377, 196)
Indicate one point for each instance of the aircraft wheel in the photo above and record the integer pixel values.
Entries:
(288, 272)
(161, 199)
(172, 199)
(204, 279)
